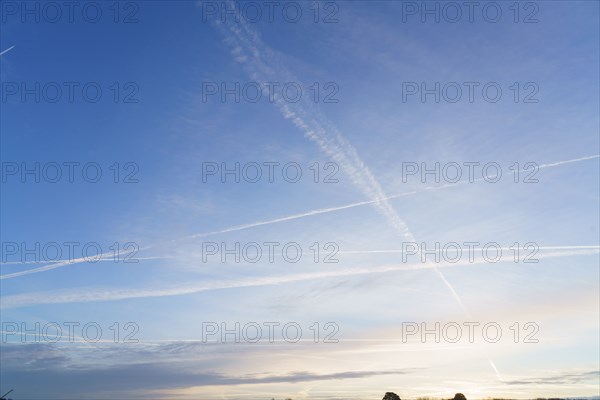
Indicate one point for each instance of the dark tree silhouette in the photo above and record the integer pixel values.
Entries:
(391, 396)
(459, 396)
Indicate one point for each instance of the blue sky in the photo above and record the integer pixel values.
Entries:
(163, 61)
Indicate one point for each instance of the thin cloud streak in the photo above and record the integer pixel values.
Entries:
(90, 295)
(263, 66)
(7, 50)
(236, 228)
(11, 263)
(101, 257)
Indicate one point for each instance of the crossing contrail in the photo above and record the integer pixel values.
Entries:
(263, 66)
(57, 264)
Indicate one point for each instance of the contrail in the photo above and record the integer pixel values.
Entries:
(329, 209)
(282, 219)
(73, 261)
(263, 66)
(585, 249)
(336, 146)
(92, 295)
(7, 50)
(100, 257)
(319, 211)
(569, 161)
(582, 247)
(496, 370)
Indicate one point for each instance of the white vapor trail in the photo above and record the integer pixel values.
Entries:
(61, 263)
(92, 295)
(236, 228)
(555, 164)
(263, 66)
(316, 128)
(580, 250)
(73, 261)
(590, 247)
(106, 257)
(372, 202)
(7, 50)
(496, 371)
